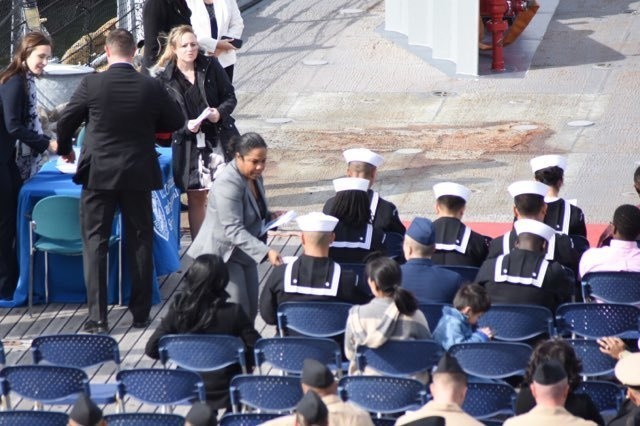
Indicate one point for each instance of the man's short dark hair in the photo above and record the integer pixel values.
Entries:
(529, 204)
(452, 203)
(121, 42)
(626, 220)
(473, 296)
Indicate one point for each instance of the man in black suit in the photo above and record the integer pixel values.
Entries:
(118, 168)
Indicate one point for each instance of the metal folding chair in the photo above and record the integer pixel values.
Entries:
(202, 352)
(313, 319)
(595, 320)
(492, 360)
(144, 419)
(383, 394)
(271, 394)
(400, 357)
(33, 418)
(288, 353)
(486, 400)
(612, 287)
(517, 323)
(594, 362)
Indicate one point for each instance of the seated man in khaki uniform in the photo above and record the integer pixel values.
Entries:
(448, 389)
(319, 379)
(550, 389)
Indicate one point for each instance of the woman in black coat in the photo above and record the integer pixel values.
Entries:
(580, 405)
(197, 83)
(159, 17)
(19, 121)
(203, 309)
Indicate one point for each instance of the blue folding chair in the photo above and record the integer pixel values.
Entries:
(314, 319)
(492, 360)
(517, 323)
(358, 270)
(33, 418)
(246, 419)
(432, 312)
(594, 362)
(486, 400)
(400, 357)
(45, 384)
(288, 353)
(271, 394)
(144, 419)
(612, 287)
(468, 273)
(160, 387)
(55, 228)
(202, 352)
(595, 320)
(382, 394)
(381, 421)
(80, 351)
(393, 242)
(607, 396)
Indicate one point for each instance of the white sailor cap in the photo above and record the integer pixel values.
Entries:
(544, 161)
(345, 184)
(317, 222)
(363, 154)
(531, 226)
(528, 187)
(450, 188)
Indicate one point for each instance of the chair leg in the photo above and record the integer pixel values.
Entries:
(31, 269)
(120, 297)
(46, 277)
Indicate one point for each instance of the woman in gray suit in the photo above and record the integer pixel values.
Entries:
(236, 212)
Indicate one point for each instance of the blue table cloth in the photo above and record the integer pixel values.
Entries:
(66, 281)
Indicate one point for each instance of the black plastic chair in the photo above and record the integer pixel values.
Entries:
(80, 351)
(486, 400)
(594, 362)
(271, 394)
(595, 320)
(517, 323)
(144, 419)
(246, 419)
(382, 394)
(400, 357)
(468, 273)
(492, 360)
(33, 418)
(432, 312)
(288, 353)
(313, 319)
(612, 287)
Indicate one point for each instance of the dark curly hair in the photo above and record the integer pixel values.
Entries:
(559, 350)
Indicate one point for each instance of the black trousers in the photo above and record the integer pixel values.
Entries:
(10, 183)
(97, 210)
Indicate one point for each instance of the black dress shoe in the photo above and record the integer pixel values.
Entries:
(96, 327)
(141, 324)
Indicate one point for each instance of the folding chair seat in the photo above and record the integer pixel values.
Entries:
(400, 357)
(288, 353)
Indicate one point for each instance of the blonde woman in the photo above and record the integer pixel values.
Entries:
(197, 82)
(218, 25)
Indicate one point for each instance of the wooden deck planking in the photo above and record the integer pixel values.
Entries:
(17, 329)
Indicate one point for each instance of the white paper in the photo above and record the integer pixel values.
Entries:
(68, 168)
(279, 221)
(203, 116)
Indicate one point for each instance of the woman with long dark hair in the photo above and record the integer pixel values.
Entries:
(393, 313)
(19, 122)
(202, 308)
(578, 404)
(356, 237)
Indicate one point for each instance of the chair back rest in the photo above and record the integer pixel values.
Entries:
(607, 396)
(580, 243)
(33, 418)
(514, 323)
(400, 357)
(594, 362)
(486, 400)
(288, 353)
(58, 217)
(432, 312)
(75, 350)
(246, 419)
(313, 319)
(144, 419)
(393, 242)
(158, 386)
(468, 273)
(595, 320)
(612, 287)
(44, 383)
(202, 352)
(359, 270)
(272, 394)
(492, 360)
(382, 394)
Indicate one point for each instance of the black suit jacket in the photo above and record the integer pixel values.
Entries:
(123, 110)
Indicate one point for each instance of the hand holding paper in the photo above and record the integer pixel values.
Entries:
(279, 221)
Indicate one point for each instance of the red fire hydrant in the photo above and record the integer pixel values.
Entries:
(497, 11)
